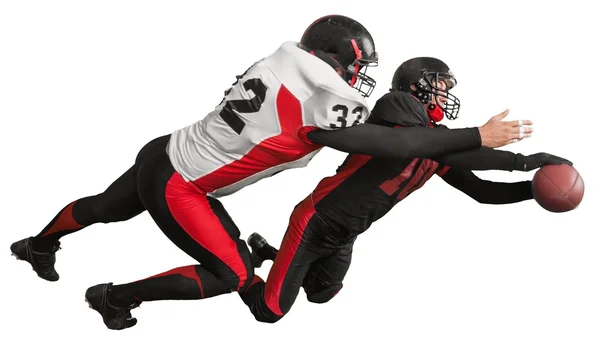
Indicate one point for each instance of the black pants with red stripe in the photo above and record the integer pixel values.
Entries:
(308, 257)
(196, 223)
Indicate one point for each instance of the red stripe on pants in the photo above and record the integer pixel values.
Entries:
(187, 271)
(65, 221)
(191, 210)
(298, 222)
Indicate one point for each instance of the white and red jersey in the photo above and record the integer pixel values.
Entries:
(259, 128)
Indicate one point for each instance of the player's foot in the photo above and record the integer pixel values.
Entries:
(261, 250)
(114, 317)
(42, 261)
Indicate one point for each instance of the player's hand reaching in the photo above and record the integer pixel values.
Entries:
(497, 133)
(538, 160)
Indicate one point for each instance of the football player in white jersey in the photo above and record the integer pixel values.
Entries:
(276, 116)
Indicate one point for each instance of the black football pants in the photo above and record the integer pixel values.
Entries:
(305, 259)
(198, 224)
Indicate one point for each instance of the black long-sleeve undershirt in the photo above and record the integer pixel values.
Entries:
(461, 177)
(483, 159)
(487, 192)
(402, 143)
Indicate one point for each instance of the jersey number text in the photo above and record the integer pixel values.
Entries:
(342, 121)
(228, 113)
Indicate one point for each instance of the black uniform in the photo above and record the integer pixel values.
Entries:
(317, 247)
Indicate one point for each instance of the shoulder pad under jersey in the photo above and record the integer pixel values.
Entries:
(400, 108)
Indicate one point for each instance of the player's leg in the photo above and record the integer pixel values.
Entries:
(197, 224)
(203, 230)
(119, 202)
(325, 277)
(270, 301)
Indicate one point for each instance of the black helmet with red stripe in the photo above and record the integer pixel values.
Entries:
(347, 46)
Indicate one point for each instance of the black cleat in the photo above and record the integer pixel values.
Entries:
(115, 318)
(41, 262)
(261, 250)
(257, 261)
(256, 241)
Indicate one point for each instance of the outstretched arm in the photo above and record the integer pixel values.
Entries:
(482, 159)
(487, 192)
(382, 141)
(339, 125)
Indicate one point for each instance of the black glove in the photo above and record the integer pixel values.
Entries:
(531, 162)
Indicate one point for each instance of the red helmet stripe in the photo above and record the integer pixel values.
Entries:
(357, 51)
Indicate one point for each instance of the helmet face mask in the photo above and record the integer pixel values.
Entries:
(429, 86)
(428, 79)
(358, 71)
(363, 83)
(345, 45)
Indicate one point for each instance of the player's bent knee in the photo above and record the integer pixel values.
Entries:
(325, 295)
(238, 281)
(244, 284)
(270, 318)
(233, 283)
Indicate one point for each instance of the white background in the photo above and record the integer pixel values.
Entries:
(85, 84)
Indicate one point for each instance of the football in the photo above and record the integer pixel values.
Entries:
(558, 188)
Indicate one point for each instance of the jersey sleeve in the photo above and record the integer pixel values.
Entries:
(332, 109)
(488, 192)
(402, 143)
(482, 159)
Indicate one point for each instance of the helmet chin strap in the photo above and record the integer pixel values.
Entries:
(435, 112)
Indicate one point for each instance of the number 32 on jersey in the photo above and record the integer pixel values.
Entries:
(343, 112)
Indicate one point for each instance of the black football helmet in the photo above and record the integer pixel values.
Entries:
(425, 73)
(347, 46)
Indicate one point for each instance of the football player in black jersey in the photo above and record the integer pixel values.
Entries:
(317, 248)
